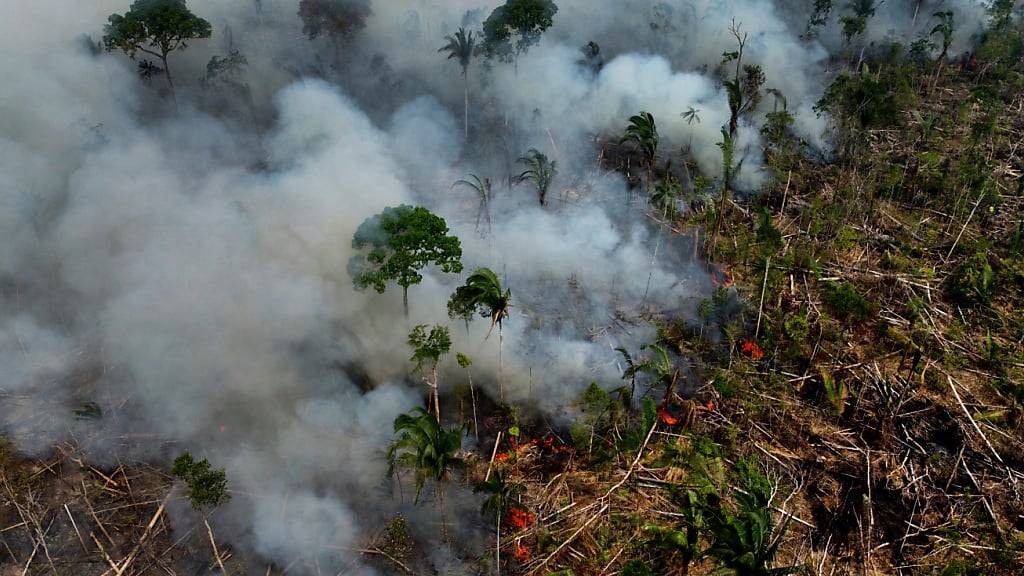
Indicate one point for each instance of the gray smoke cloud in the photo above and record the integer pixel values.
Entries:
(185, 269)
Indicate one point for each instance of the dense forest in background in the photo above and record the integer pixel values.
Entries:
(574, 288)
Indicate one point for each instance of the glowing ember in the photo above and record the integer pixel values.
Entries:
(522, 553)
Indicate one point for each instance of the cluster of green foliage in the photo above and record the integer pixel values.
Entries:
(973, 281)
(868, 99)
(157, 28)
(643, 132)
(515, 26)
(846, 302)
(335, 19)
(207, 487)
(399, 242)
(429, 346)
(481, 294)
(424, 447)
(539, 170)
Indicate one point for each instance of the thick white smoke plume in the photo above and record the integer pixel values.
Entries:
(183, 267)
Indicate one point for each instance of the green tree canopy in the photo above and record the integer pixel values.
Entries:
(424, 447)
(429, 346)
(155, 27)
(516, 25)
(335, 19)
(540, 171)
(207, 487)
(482, 293)
(399, 242)
(643, 131)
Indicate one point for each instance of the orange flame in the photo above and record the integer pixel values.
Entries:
(522, 553)
(750, 348)
(521, 518)
(727, 280)
(667, 418)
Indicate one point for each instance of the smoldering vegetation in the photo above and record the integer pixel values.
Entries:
(180, 263)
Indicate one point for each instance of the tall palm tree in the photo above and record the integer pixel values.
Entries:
(460, 46)
(501, 497)
(691, 115)
(484, 192)
(425, 448)
(483, 294)
(540, 171)
(644, 132)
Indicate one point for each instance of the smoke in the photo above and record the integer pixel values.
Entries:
(184, 269)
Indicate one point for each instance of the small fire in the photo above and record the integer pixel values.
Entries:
(501, 457)
(750, 348)
(667, 418)
(522, 553)
(711, 405)
(521, 518)
(726, 281)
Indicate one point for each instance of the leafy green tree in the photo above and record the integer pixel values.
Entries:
(501, 496)
(945, 29)
(157, 28)
(644, 133)
(856, 23)
(483, 294)
(515, 26)
(460, 47)
(1002, 13)
(399, 242)
(743, 90)
(484, 192)
(428, 347)
(207, 487)
(540, 171)
(336, 19)
(822, 10)
(425, 448)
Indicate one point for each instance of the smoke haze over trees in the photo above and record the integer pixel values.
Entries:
(185, 266)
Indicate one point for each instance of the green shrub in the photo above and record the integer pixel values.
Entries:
(846, 302)
(636, 568)
(972, 282)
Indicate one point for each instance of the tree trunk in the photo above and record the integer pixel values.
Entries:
(497, 546)
(170, 79)
(465, 100)
(405, 300)
(433, 387)
(472, 396)
(440, 497)
(501, 384)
